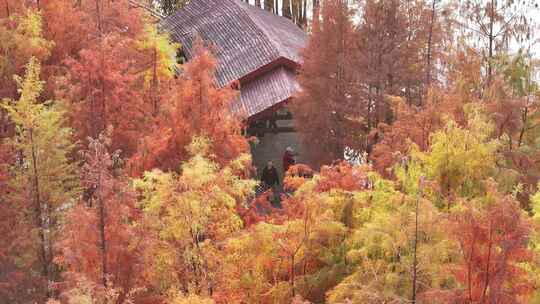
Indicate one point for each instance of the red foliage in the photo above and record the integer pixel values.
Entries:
(260, 209)
(18, 280)
(344, 176)
(493, 240)
(296, 176)
(326, 110)
(412, 125)
(101, 85)
(194, 107)
(109, 209)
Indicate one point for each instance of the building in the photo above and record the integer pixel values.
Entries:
(259, 50)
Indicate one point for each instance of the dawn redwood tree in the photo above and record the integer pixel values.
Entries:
(43, 179)
(491, 26)
(413, 125)
(189, 216)
(154, 56)
(193, 106)
(492, 232)
(18, 282)
(99, 86)
(326, 111)
(100, 241)
(513, 103)
(107, 76)
(391, 41)
(22, 38)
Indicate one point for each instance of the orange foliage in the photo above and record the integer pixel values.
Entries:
(493, 236)
(296, 176)
(260, 209)
(413, 125)
(16, 282)
(99, 86)
(343, 175)
(101, 78)
(194, 107)
(109, 207)
(326, 110)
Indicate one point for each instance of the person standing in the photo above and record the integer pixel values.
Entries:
(270, 175)
(288, 159)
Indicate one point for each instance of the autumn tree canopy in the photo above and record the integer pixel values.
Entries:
(126, 178)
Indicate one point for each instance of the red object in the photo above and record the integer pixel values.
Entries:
(288, 161)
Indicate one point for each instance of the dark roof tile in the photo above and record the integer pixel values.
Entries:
(265, 91)
(244, 39)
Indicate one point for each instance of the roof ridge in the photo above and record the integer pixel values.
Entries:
(245, 7)
(191, 17)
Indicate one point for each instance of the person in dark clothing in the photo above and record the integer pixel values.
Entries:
(270, 175)
(288, 159)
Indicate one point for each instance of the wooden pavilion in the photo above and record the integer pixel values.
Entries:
(257, 49)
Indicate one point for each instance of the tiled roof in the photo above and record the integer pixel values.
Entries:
(265, 91)
(245, 39)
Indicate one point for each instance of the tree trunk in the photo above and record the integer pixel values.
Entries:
(415, 261)
(488, 262)
(491, 40)
(303, 22)
(430, 45)
(269, 5)
(38, 217)
(103, 242)
(286, 9)
(154, 81)
(103, 124)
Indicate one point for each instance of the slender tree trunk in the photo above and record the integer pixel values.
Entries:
(522, 131)
(491, 40)
(42, 251)
(103, 241)
(415, 248)
(296, 11)
(103, 125)
(286, 9)
(469, 268)
(7, 8)
(269, 5)
(488, 262)
(430, 45)
(292, 275)
(303, 22)
(154, 81)
(315, 9)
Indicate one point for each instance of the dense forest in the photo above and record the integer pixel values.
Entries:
(123, 180)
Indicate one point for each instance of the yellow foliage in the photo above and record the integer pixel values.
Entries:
(191, 213)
